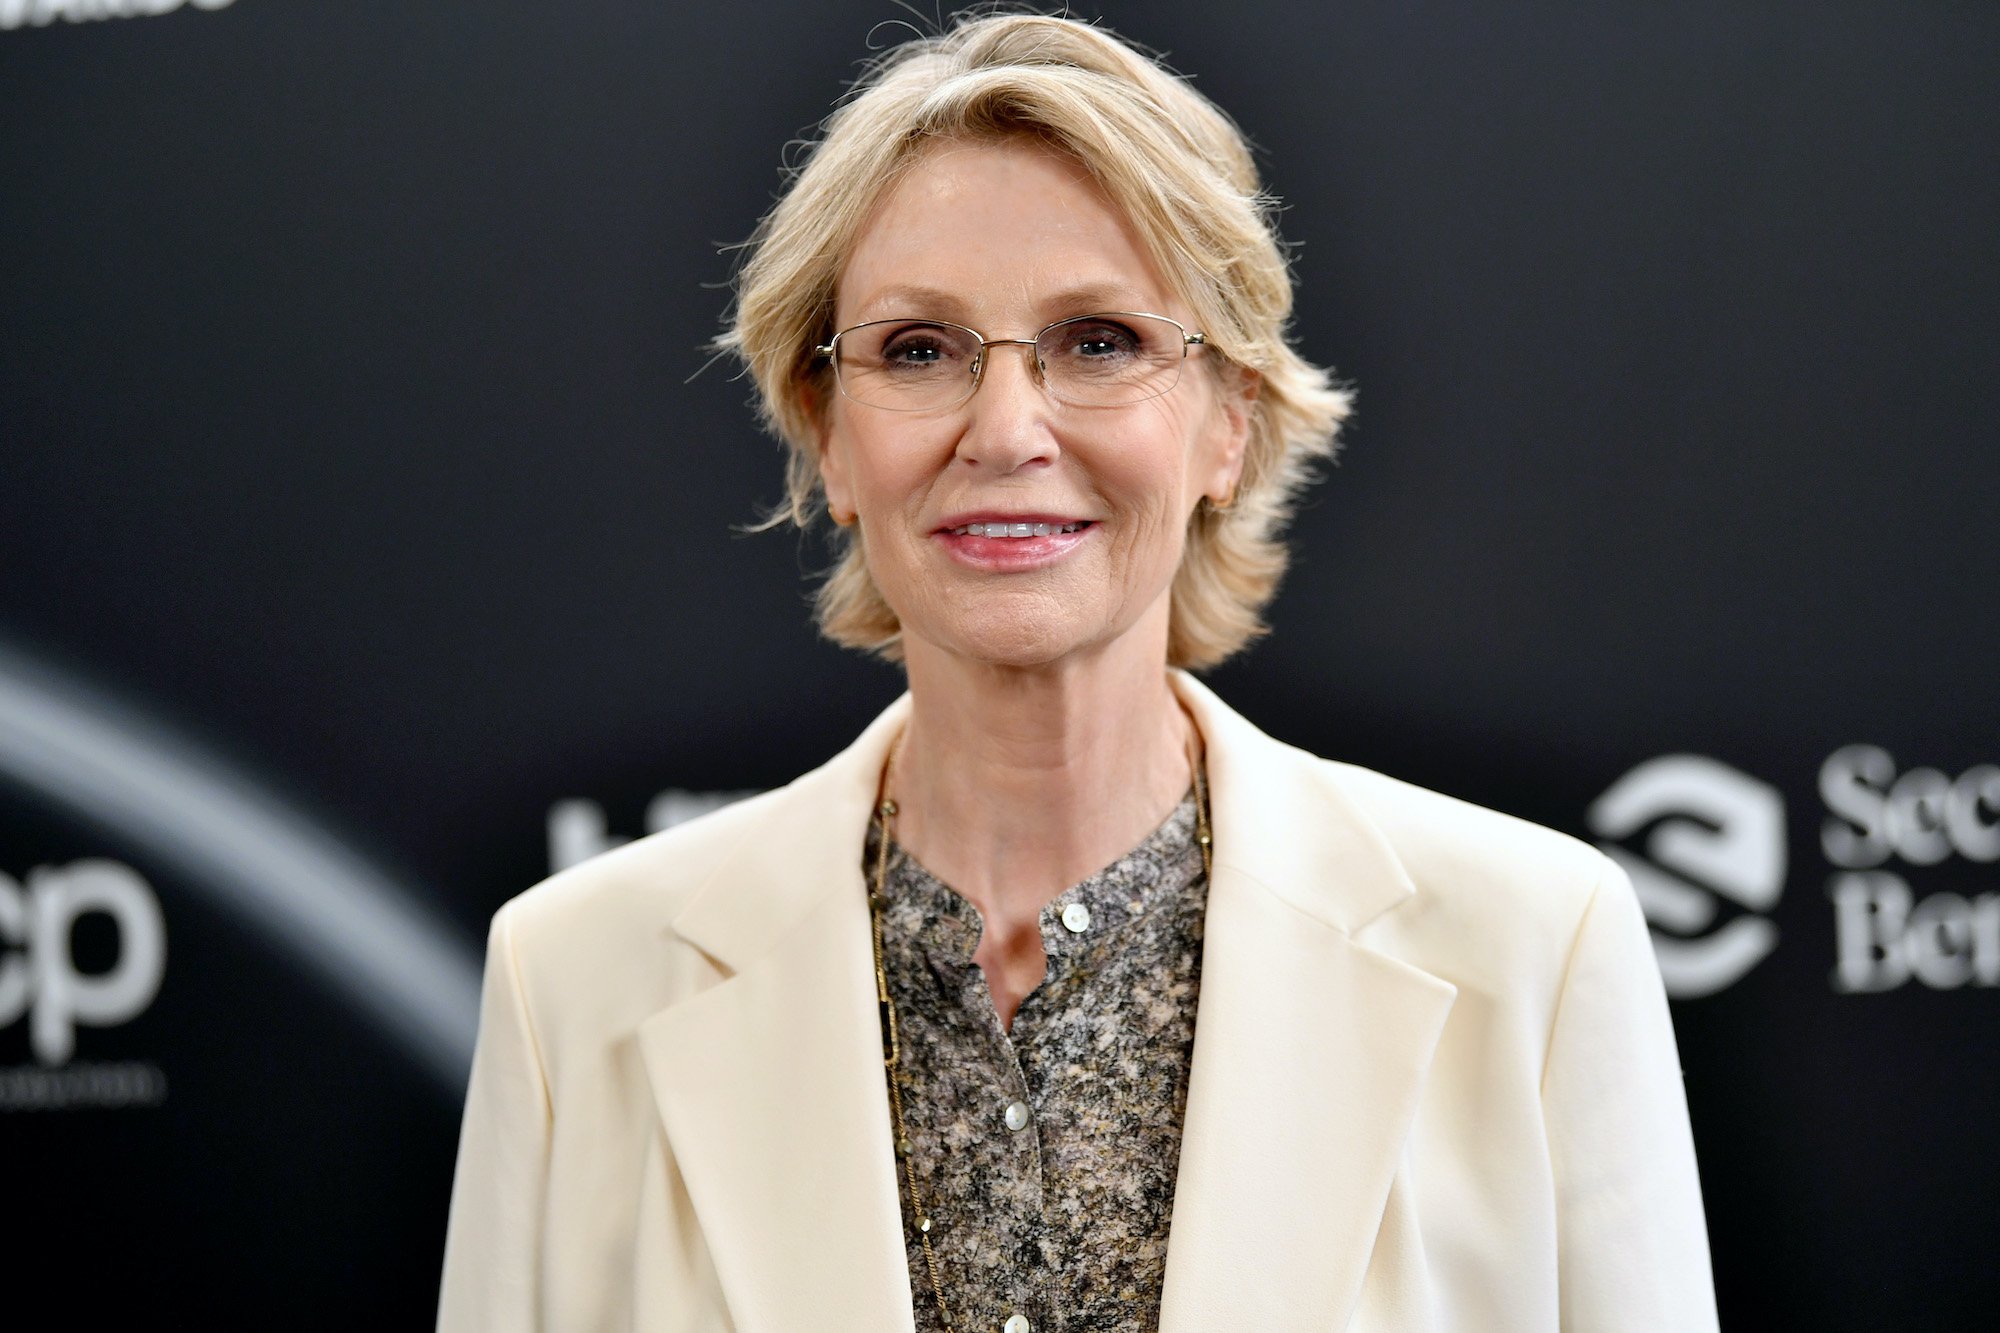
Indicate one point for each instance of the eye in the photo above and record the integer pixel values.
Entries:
(920, 347)
(913, 351)
(1098, 340)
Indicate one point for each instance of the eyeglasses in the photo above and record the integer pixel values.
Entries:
(1110, 359)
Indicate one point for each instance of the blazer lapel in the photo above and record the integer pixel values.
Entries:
(771, 1084)
(1310, 1049)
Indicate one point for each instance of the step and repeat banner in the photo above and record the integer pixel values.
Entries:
(371, 544)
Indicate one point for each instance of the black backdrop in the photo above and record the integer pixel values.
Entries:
(365, 545)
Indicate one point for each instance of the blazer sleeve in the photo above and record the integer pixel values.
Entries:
(1632, 1243)
(492, 1253)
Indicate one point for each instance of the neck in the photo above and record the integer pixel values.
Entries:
(1013, 784)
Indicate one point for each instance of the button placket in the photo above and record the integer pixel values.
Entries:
(1027, 1240)
(1026, 1135)
(1028, 1138)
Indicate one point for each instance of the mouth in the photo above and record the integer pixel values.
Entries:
(1014, 543)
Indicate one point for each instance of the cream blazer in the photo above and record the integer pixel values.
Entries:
(1434, 1085)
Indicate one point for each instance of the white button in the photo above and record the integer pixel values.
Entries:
(1018, 1324)
(1077, 917)
(1017, 1115)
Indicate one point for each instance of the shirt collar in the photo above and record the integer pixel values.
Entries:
(924, 912)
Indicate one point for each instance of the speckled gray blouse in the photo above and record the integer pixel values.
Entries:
(1048, 1157)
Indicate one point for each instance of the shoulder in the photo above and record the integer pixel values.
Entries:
(1442, 840)
(1494, 895)
(608, 921)
(656, 920)
(1412, 871)
(1507, 911)
(646, 880)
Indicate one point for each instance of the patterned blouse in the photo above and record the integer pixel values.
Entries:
(1048, 1155)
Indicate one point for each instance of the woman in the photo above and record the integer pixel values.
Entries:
(912, 1042)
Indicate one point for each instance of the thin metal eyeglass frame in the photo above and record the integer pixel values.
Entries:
(830, 350)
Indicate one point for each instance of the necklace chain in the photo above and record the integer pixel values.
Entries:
(892, 1048)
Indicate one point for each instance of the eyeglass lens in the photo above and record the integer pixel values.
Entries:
(1090, 361)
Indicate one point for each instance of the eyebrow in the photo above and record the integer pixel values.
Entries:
(1083, 299)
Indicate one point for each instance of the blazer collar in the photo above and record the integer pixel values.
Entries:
(1310, 1053)
(808, 847)
(1284, 821)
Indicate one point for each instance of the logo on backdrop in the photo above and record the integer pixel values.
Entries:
(1717, 836)
(41, 982)
(1921, 817)
(41, 13)
(215, 831)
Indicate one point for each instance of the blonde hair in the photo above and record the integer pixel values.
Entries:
(1181, 171)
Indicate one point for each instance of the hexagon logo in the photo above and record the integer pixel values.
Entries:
(1713, 833)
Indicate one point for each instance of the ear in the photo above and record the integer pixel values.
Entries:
(834, 477)
(1236, 406)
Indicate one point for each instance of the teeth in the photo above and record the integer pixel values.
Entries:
(1015, 529)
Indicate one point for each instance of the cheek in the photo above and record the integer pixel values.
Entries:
(886, 472)
(1147, 480)
(891, 487)
(1151, 470)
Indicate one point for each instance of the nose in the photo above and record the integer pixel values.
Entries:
(1009, 424)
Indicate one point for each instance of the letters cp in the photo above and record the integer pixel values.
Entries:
(38, 972)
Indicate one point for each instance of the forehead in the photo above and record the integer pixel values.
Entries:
(1010, 232)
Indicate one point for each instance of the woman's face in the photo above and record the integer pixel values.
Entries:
(1006, 238)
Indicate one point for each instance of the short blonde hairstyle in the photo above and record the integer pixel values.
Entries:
(1180, 170)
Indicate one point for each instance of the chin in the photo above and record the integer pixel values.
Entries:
(1013, 639)
(1025, 649)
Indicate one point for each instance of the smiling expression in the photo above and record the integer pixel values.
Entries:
(1005, 238)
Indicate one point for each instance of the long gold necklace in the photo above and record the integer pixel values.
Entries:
(892, 1049)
